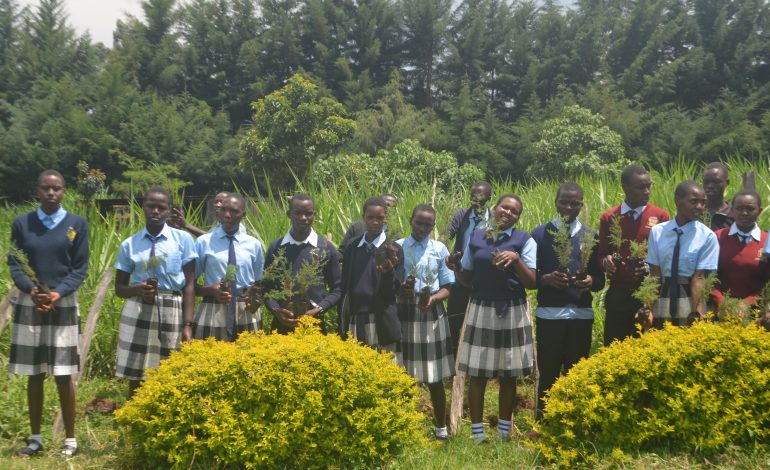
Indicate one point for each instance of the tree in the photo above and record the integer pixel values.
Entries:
(291, 127)
(574, 143)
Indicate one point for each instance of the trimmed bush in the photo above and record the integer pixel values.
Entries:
(696, 389)
(303, 400)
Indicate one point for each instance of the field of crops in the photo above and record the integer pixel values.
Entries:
(336, 208)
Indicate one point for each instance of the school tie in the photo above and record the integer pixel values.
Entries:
(154, 241)
(632, 213)
(673, 289)
(744, 238)
(231, 307)
(369, 247)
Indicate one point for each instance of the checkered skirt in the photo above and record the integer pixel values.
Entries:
(370, 335)
(660, 309)
(211, 318)
(426, 344)
(139, 345)
(494, 346)
(45, 342)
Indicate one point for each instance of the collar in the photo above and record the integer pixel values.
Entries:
(574, 226)
(508, 231)
(685, 228)
(220, 232)
(377, 241)
(755, 232)
(56, 216)
(311, 239)
(411, 241)
(625, 208)
(164, 233)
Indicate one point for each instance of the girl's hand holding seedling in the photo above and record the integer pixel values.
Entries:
(505, 259)
(220, 295)
(555, 279)
(148, 291)
(427, 305)
(408, 287)
(609, 265)
(641, 270)
(644, 317)
(285, 317)
(44, 302)
(583, 284)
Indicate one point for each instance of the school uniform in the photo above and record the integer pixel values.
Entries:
(464, 221)
(698, 250)
(213, 250)
(57, 248)
(619, 304)
(564, 317)
(297, 252)
(369, 312)
(498, 327)
(742, 271)
(149, 331)
(425, 339)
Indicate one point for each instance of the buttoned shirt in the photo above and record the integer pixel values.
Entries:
(528, 253)
(755, 232)
(475, 223)
(625, 208)
(426, 256)
(51, 221)
(213, 250)
(175, 247)
(312, 239)
(698, 248)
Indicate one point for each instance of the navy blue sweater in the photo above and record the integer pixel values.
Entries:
(58, 256)
(489, 282)
(547, 263)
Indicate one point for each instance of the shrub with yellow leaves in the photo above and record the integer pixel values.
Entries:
(696, 389)
(302, 400)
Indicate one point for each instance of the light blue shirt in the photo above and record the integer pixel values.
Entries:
(423, 256)
(377, 241)
(528, 253)
(51, 221)
(755, 232)
(213, 252)
(475, 224)
(175, 246)
(698, 248)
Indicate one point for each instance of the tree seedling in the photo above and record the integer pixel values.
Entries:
(428, 277)
(616, 241)
(647, 293)
(23, 261)
(587, 244)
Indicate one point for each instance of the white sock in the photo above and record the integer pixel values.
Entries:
(37, 438)
(442, 432)
(71, 441)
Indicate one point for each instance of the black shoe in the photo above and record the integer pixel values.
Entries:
(69, 451)
(33, 448)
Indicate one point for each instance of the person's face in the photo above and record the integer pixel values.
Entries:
(218, 201)
(507, 212)
(374, 219)
(714, 183)
(569, 203)
(422, 224)
(746, 210)
(480, 198)
(390, 201)
(691, 205)
(231, 213)
(50, 192)
(302, 215)
(637, 190)
(155, 208)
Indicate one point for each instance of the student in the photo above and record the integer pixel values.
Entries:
(636, 216)
(564, 313)
(358, 227)
(46, 325)
(176, 218)
(742, 271)
(369, 312)
(425, 342)
(497, 342)
(681, 252)
(463, 223)
(154, 319)
(222, 313)
(299, 245)
(715, 180)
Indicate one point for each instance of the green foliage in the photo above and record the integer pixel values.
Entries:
(588, 241)
(303, 400)
(648, 291)
(21, 258)
(577, 142)
(292, 127)
(142, 176)
(90, 182)
(562, 243)
(616, 234)
(698, 389)
(230, 273)
(407, 164)
(638, 249)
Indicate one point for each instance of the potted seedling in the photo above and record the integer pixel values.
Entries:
(23, 260)
(701, 295)
(732, 310)
(256, 296)
(647, 293)
(151, 266)
(428, 277)
(562, 245)
(411, 277)
(587, 245)
(386, 255)
(224, 284)
(309, 274)
(638, 254)
(616, 241)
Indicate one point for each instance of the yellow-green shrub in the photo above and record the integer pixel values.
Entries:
(301, 401)
(693, 389)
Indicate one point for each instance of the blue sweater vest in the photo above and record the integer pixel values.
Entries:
(489, 282)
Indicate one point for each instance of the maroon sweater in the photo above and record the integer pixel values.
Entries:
(632, 230)
(741, 268)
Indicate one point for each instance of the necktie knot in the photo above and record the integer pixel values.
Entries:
(369, 247)
(633, 214)
(744, 237)
(679, 232)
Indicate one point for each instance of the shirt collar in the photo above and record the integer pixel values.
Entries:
(755, 232)
(574, 226)
(56, 216)
(311, 239)
(377, 241)
(685, 228)
(164, 233)
(625, 208)
(218, 231)
(411, 241)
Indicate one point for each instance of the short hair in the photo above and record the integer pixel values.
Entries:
(481, 184)
(717, 166)
(375, 201)
(630, 171)
(300, 197)
(237, 197)
(683, 188)
(569, 186)
(46, 173)
(423, 208)
(387, 196)
(510, 196)
(748, 192)
(158, 190)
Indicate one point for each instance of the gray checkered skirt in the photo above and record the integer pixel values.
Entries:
(660, 309)
(426, 344)
(370, 335)
(211, 320)
(493, 346)
(148, 333)
(45, 342)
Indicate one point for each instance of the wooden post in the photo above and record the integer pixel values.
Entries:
(458, 392)
(6, 308)
(85, 345)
